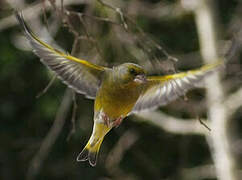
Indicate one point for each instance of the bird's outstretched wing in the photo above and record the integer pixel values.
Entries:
(83, 76)
(161, 90)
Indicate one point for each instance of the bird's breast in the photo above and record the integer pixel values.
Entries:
(116, 101)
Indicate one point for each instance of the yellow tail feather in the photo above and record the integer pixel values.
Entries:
(90, 151)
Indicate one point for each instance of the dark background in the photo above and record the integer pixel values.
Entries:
(153, 153)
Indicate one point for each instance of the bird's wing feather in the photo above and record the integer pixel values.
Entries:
(161, 90)
(83, 76)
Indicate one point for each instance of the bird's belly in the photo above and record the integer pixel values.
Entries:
(116, 104)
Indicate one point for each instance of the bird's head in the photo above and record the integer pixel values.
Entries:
(129, 72)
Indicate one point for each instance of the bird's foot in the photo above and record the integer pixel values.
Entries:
(106, 119)
(118, 121)
(108, 122)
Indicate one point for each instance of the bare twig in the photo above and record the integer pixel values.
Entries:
(32, 11)
(202, 172)
(51, 137)
(118, 10)
(203, 123)
(73, 118)
(199, 173)
(218, 139)
(160, 10)
(71, 28)
(234, 46)
(124, 143)
(172, 124)
(233, 102)
(142, 39)
(117, 153)
(96, 18)
(41, 93)
(44, 13)
(89, 37)
(58, 123)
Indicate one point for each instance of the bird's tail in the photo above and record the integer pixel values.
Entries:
(90, 151)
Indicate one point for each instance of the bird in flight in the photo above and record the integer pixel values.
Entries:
(118, 91)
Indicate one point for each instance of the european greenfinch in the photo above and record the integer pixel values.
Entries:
(118, 91)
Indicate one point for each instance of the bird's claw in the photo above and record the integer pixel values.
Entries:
(106, 119)
(108, 122)
(117, 122)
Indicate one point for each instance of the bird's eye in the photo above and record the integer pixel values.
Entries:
(132, 71)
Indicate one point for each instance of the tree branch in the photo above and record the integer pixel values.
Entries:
(202, 172)
(219, 138)
(51, 137)
(31, 12)
(172, 124)
(116, 154)
(233, 102)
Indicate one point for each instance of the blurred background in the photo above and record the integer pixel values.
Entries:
(41, 133)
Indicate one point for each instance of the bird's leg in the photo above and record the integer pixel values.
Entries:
(118, 121)
(106, 119)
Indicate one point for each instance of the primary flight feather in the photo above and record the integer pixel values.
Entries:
(118, 91)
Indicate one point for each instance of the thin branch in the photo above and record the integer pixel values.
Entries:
(203, 123)
(118, 11)
(107, 20)
(199, 173)
(51, 137)
(44, 14)
(77, 34)
(153, 43)
(143, 40)
(202, 172)
(57, 125)
(233, 102)
(89, 37)
(218, 139)
(124, 143)
(71, 28)
(47, 87)
(116, 154)
(172, 124)
(160, 11)
(235, 46)
(73, 118)
(32, 11)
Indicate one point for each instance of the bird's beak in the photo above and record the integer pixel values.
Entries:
(141, 78)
